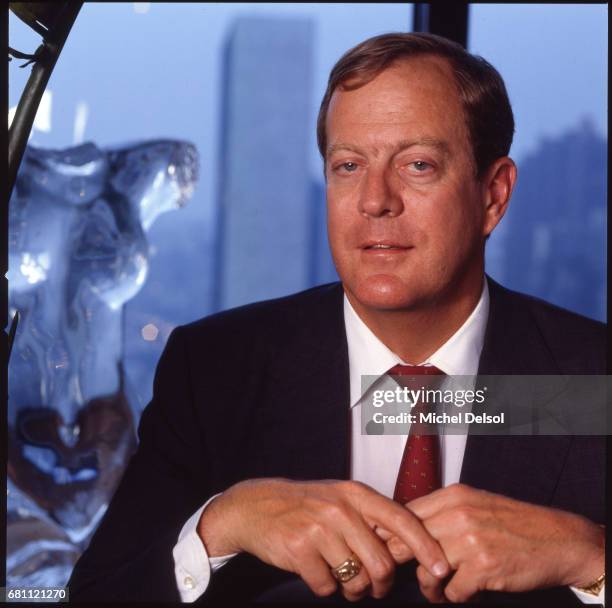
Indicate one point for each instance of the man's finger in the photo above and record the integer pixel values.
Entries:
(399, 550)
(335, 552)
(382, 533)
(431, 587)
(373, 553)
(449, 533)
(398, 520)
(463, 585)
(315, 572)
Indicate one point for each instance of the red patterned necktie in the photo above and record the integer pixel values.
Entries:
(419, 471)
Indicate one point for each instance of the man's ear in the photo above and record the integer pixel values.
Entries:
(497, 185)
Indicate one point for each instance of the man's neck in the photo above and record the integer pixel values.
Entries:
(417, 333)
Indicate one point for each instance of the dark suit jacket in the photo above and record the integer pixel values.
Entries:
(263, 391)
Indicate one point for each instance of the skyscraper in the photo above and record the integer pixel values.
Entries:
(265, 185)
(554, 244)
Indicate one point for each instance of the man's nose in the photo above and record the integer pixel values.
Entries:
(379, 195)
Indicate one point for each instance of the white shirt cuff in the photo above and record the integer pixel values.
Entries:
(192, 566)
(588, 598)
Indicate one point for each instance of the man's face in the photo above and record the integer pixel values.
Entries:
(406, 213)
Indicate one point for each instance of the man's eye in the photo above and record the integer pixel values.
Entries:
(420, 165)
(348, 166)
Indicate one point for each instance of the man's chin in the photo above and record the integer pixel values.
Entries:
(384, 294)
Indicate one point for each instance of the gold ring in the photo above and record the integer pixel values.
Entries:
(347, 570)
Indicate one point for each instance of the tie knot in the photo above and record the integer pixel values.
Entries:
(414, 370)
(416, 376)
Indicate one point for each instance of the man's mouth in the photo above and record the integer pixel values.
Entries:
(384, 246)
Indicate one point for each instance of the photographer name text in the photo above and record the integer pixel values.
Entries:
(438, 418)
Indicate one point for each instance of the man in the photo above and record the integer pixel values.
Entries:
(252, 468)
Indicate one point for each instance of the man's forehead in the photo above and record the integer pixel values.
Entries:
(405, 85)
(413, 101)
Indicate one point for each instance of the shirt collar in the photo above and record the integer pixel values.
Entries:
(368, 356)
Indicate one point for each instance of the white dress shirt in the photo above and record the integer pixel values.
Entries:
(375, 459)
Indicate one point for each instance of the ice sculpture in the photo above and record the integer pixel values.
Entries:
(77, 252)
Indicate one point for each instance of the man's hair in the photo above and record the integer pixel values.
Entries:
(483, 95)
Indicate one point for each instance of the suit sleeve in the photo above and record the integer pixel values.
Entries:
(130, 556)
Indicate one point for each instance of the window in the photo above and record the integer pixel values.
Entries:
(553, 57)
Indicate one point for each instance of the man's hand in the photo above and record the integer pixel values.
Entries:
(309, 527)
(499, 544)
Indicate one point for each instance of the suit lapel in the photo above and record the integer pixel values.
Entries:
(524, 467)
(310, 394)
